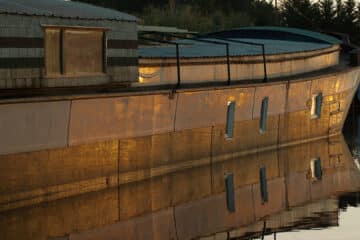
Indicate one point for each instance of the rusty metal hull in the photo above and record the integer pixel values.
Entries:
(56, 122)
(136, 154)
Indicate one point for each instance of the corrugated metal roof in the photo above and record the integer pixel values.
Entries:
(299, 31)
(275, 40)
(281, 33)
(194, 49)
(161, 29)
(63, 9)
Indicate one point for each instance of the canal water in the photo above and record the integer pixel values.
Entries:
(304, 191)
(344, 222)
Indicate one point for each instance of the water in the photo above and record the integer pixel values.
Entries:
(295, 201)
(345, 227)
(344, 222)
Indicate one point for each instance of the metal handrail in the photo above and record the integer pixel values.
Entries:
(212, 42)
(177, 55)
(200, 38)
(242, 42)
(254, 44)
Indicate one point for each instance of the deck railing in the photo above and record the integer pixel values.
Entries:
(205, 38)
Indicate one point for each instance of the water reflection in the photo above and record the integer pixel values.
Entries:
(269, 192)
(339, 224)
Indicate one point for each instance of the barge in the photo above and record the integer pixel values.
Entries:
(104, 130)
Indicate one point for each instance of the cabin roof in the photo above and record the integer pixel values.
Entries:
(63, 9)
(161, 29)
(193, 49)
(275, 40)
(277, 33)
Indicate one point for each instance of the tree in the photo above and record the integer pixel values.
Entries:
(212, 15)
(299, 13)
(327, 14)
(172, 5)
(358, 15)
(263, 13)
(340, 16)
(350, 13)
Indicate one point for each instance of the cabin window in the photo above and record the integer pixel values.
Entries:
(72, 51)
(316, 103)
(263, 114)
(230, 116)
(316, 169)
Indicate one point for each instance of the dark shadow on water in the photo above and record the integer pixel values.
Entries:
(351, 129)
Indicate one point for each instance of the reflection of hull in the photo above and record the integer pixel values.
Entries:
(188, 204)
(320, 214)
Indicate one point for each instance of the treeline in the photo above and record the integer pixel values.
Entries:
(138, 6)
(212, 15)
(196, 15)
(324, 15)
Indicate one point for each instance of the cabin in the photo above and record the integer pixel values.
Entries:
(239, 55)
(60, 43)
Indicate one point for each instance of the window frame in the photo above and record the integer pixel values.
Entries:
(62, 73)
(316, 105)
(316, 170)
(230, 120)
(263, 114)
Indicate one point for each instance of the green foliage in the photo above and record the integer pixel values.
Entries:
(212, 15)
(194, 19)
(263, 13)
(327, 14)
(350, 14)
(358, 15)
(298, 13)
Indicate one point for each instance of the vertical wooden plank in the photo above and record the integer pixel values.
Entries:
(53, 51)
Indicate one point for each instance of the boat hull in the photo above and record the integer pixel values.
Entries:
(59, 147)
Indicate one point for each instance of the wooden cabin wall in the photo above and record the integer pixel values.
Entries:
(164, 71)
(22, 52)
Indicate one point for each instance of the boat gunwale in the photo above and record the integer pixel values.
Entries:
(168, 89)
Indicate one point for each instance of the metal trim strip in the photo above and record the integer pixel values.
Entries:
(21, 42)
(122, 44)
